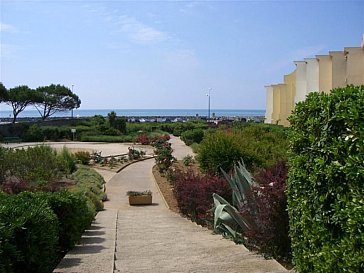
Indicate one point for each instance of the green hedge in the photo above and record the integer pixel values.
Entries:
(28, 234)
(103, 138)
(326, 182)
(36, 229)
(74, 215)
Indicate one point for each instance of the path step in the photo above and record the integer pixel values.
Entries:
(174, 244)
(95, 252)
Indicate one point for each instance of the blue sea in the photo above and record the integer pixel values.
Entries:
(145, 113)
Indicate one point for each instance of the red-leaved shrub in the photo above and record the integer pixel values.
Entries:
(194, 195)
(267, 206)
(143, 139)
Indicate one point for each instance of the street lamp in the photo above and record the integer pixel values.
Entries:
(72, 108)
(209, 96)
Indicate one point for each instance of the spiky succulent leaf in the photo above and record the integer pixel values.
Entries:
(227, 219)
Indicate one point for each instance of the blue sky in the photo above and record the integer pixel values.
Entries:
(167, 54)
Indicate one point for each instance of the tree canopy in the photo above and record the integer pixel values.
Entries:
(3, 92)
(55, 98)
(19, 98)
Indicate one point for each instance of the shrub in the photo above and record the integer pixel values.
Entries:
(111, 132)
(143, 139)
(188, 160)
(35, 165)
(35, 168)
(194, 195)
(73, 213)
(163, 158)
(103, 138)
(325, 186)
(218, 151)
(261, 145)
(192, 136)
(194, 147)
(180, 127)
(34, 133)
(83, 157)
(89, 182)
(266, 206)
(68, 159)
(28, 234)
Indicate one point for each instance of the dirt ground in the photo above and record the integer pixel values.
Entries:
(166, 189)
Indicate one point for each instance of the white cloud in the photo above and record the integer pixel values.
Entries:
(6, 27)
(134, 30)
(138, 32)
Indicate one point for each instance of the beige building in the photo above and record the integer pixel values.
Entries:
(319, 74)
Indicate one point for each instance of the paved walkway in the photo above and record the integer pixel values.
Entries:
(153, 239)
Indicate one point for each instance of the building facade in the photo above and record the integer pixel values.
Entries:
(320, 74)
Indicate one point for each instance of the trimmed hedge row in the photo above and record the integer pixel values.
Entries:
(37, 228)
(326, 182)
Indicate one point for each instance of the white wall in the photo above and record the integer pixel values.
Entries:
(301, 83)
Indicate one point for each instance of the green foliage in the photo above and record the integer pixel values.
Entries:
(164, 158)
(188, 160)
(28, 234)
(103, 138)
(36, 229)
(25, 164)
(192, 136)
(138, 193)
(68, 159)
(241, 183)
(117, 123)
(325, 189)
(73, 213)
(89, 182)
(259, 145)
(227, 219)
(194, 147)
(217, 152)
(55, 98)
(35, 168)
(19, 98)
(83, 157)
(180, 127)
(3, 92)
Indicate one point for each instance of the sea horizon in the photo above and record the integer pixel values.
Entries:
(144, 113)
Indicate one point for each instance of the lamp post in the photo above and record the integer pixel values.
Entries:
(209, 107)
(72, 108)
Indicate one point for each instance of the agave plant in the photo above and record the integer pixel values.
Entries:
(241, 183)
(227, 219)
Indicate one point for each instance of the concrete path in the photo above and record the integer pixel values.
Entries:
(153, 239)
(180, 149)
